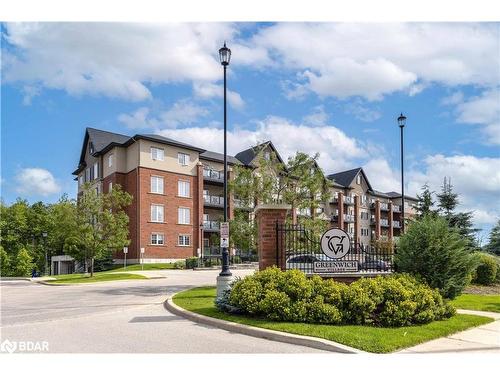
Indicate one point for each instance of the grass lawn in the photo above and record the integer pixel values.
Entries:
(371, 339)
(79, 278)
(147, 267)
(477, 302)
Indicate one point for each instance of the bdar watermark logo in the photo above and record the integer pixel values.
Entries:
(8, 346)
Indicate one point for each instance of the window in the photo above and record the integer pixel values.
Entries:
(157, 153)
(110, 187)
(184, 240)
(363, 199)
(81, 179)
(91, 148)
(96, 171)
(110, 160)
(157, 184)
(267, 155)
(206, 243)
(157, 239)
(184, 188)
(157, 213)
(87, 174)
(183, 158)
(358, 179)
(184, 215)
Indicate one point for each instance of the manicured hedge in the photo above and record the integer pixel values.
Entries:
(487, 269)
(391, 301)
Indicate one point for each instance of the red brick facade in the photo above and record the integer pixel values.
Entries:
(138, 184)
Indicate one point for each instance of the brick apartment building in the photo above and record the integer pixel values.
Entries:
(178, 199)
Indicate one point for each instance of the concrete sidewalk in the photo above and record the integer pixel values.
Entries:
(483, 339)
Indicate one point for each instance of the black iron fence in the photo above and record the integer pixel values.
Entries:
(299, 248)
(212, 256)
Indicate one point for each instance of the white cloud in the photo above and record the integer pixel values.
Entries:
(317, 117)
(375, 59)
(36, 181)
(337, 150)
(182, 112)
(476, 179)
(381, 175)
(113, 59)
(211, 90)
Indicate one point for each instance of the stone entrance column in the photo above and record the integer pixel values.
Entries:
(266, 216)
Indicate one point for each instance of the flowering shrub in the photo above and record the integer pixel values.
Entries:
(391, 301)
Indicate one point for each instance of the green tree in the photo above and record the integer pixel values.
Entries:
(5, 265)
(437, 253)
(493, 245)
(14, 226)
(24, 263)
(243, 231)
(101, 224)
(447, 199)
(425, 203)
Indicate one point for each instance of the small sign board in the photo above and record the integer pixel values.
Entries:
(125, 250)
(335, 243)
(224, 234)
(143, 250)
(335, 266)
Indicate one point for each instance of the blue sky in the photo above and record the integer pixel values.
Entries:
(331, 88)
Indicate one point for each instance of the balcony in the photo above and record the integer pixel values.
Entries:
(213, 201)
(349, 200)
(210, 226)
(384, 222)
(384, 207)
(396, 224)
(396, 208)
(242, 205)
(348, 218)
(210, 175)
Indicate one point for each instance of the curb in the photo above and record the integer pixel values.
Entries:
(262, 333)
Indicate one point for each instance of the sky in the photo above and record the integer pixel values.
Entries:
(330, 88)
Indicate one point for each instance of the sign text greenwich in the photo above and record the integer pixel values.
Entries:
(335, 244)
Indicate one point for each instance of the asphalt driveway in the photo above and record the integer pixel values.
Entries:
(119, 317)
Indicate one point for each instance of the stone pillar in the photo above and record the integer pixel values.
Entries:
(356, 221)
(377, 219)
(198, 205)
(266, 216)
(340, 207)
(390, 233)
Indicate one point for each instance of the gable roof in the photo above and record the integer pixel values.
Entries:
(248, 156)
(103, 141)
(345, 178)
(218, 157)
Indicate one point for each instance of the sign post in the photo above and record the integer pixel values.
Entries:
(224, 234)
(125, 251)
(142, 257)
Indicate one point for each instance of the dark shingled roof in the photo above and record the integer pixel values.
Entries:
(101, 138)
(215, 156)
(169, 141)
(344, 178)
(393, 194)
(248, 155)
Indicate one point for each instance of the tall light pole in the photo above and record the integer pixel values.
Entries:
(225, 58)
(225, 274)
(402, 123)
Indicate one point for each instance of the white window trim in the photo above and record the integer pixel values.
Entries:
(183, 235)
(151, 185)
(178, 215)
(185, 156)
(157, 158)
(110, 160)
(163, 213)
(179, 190)
(157, 234)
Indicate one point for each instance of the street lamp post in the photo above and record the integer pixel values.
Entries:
(224, 277)
(402, 123)
(225, 57)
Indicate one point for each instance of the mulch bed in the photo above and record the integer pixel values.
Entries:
(483, 289)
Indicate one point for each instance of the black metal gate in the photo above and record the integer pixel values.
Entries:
(298, 248)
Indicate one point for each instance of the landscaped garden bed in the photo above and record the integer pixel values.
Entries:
(367, 338)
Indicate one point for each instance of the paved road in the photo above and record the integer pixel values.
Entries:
(125, 317)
